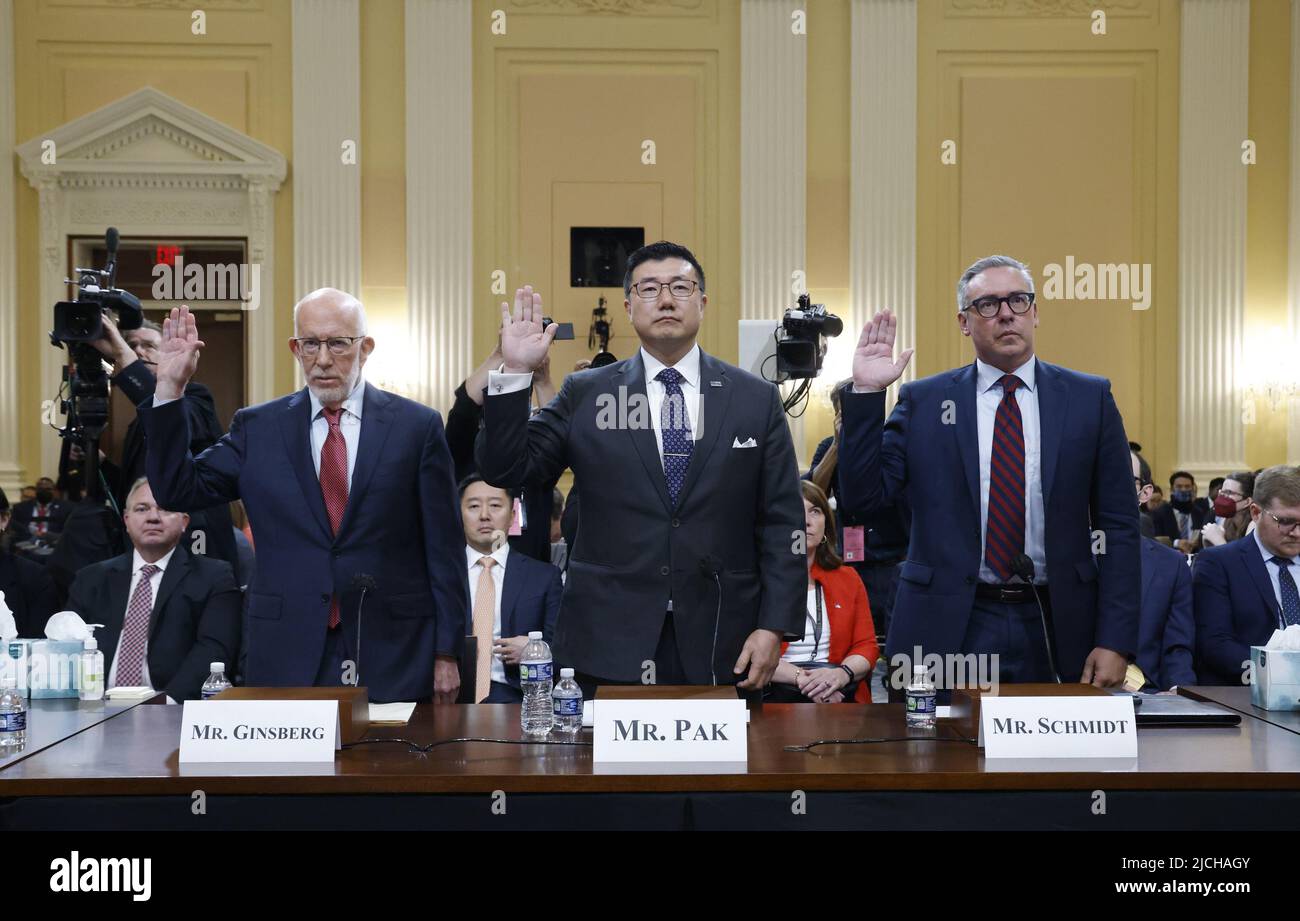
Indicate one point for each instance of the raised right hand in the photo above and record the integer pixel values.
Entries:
(178, 358)
(524, 343)
(874, 367)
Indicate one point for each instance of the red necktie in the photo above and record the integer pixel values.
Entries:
(1005, 532)
(135, 631)
(334, 485)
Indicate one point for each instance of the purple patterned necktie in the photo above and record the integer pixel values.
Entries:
(135, 631)
(1005, 532)
(675, 430)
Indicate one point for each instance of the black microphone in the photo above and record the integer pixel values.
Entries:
(110, 243)
(711, 567)
(365, 582)
(1023, 568)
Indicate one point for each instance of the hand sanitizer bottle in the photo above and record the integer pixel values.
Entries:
(91, 685)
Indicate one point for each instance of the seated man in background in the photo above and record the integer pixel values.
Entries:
(167, 615)
(40, 519)
(1166, 626)
(1231, 510)
(1244, 590)
(511, 593)
(1182, 517)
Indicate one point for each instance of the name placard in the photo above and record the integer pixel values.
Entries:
(259, 730)
(670, 730)
(1058, 727)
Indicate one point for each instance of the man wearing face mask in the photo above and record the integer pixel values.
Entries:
(40, 520)
(1231, 510)
(1182, 517)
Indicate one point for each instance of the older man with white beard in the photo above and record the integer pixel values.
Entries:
(350, 496)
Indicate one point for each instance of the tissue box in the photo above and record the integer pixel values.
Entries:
(53, 670)
(1277, 678)
(17, 668)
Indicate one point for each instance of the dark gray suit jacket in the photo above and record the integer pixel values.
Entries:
(734, 527)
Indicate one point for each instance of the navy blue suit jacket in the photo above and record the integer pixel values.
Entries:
(530, 600)
(1167, 629)
(929, 453)
(1235, 609)
(402, 527)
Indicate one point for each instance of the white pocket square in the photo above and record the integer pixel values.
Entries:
(747, 443)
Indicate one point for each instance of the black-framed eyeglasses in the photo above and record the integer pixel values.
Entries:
(1287, 525)
(989, 307)
(679, 288)
(338, 345)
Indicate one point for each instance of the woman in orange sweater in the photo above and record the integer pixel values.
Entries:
(838, 649)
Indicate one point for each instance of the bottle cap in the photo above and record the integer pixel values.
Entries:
(534, 634)
(918, 671)
(566, 673)
(91, 644)
(217, 666)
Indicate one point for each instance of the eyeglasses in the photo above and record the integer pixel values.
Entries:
(680, 289)
(1230, 493)
(1288, 525)
(989, 307)
(338, 345)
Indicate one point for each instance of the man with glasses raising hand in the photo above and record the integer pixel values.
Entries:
(346, 487)
(1023, 475)
(1244, 590)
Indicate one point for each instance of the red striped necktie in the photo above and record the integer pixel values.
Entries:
(1005, 531)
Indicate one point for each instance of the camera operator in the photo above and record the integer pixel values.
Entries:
(134, 356)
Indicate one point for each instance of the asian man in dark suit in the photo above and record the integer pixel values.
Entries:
(167, 614)
(1182, 517)
(1166, 625)
(688, 564)
(360, 562)
(1246, 589)
(511, 594)
(1018, 472)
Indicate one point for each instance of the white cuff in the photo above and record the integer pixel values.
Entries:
(157, 402)
(501, 382)
(857, 389)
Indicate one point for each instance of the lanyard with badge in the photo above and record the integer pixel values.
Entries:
(817, 623)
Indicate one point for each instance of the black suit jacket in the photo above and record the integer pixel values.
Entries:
(737, 520)
(1165, 521)
(24, 513)
(29, 592)
(195, 620)
(530, 600)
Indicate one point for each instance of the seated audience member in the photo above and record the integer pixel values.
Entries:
(167, 614)
(1182, 517)
(1166, 625)
(1231, 510)
(1156, 501)
(838, 650)
(42, 519)
(463, 421)
(27, 587)
(511, 593)
(1246, 589)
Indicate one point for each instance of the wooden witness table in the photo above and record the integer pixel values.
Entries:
(124, 773)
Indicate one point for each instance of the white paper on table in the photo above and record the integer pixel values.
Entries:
(391, 713)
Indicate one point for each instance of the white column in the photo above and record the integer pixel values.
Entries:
(439, 195)
(11, 472)
(1293, 234)
(1212, 235)
(262, 342)
(882, 207)
(773, 156)
(326, 117)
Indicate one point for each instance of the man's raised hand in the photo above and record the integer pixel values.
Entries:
(874, 367)
(524, 343)
(178, 358)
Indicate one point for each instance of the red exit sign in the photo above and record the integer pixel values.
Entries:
(166, 254)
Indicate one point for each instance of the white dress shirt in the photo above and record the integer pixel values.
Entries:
(500, 382)
(498, 571)
(155, 581)
(988, 394)
(809, 649)
(349, 427)
(1274, 573)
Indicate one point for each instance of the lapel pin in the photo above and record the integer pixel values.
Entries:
(715, 383)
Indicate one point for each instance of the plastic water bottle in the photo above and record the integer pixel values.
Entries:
(920, 700)
(217, 681)
(567, 704)
(13, 709)
(535, 680)
(91, 685)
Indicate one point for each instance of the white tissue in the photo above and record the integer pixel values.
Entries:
(1288, 639)
(8, 626)
(68, 627)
